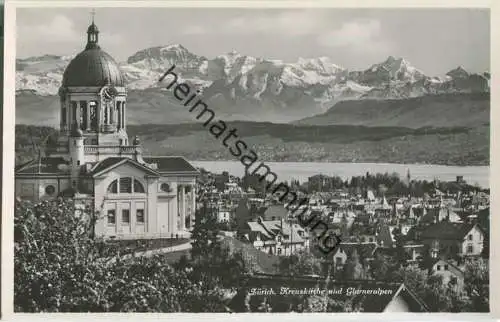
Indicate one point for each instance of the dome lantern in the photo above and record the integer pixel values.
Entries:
(92, 34)
(93, 66)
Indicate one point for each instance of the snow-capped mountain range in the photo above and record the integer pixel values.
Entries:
(239, 81)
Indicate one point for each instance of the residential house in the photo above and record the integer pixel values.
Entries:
(366, 252)
(448, 271)
(277, 237)
(446, 238)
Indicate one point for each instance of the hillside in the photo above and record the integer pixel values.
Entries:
(293, 143)
(446, 110)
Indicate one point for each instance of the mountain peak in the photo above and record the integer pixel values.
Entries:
(390, 59)
(178, 47)
(458, 72)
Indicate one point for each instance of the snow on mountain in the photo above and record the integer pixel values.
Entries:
(458, 72)
(392, 69)
(237, 83)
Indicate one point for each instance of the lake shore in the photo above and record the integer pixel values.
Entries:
(303, 170)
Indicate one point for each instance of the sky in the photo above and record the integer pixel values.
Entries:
(433, 40)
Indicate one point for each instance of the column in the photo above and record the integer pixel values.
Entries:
(182, 207)
(123, 117)
(193, 205)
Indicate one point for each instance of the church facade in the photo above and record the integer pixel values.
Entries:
(93, 161)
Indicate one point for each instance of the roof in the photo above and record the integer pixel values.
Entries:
(171, 164)
(44, 166)
(438, 214)
(265, 263)
(269, 229)
(447, 230)
(385, 235)
(93, 67)
(110, 163)
(365, 250)
(277, 211)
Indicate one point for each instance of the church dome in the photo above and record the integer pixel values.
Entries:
(93, 66)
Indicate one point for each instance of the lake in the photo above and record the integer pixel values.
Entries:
(303, 170)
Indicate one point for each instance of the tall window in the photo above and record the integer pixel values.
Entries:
(83, 115)
(111, 216)
(63, 115)
(140, 216)
(126, 216)
(119, 115)
(106, 108)
(74, 110)
(93, 116)
(470, 249)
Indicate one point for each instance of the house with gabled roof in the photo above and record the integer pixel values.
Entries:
(276, 237)
(448, 271)
(344, 251)
(453, 239)
(92, 161)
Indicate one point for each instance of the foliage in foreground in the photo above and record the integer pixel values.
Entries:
(60, 268)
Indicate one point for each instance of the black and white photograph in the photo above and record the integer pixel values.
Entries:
(251, 159)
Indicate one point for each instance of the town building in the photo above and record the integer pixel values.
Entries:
(276, 237)
(135, 196)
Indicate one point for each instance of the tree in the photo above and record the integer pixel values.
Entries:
(485, 252)
(438, 296)
(400, 251)
(204, 234)
(213, 265)
(476, 281)
(300, 263)
(380, 268)
(59, 267)
(353, 269)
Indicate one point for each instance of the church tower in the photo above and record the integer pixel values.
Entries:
(93, 102)
(94, 163)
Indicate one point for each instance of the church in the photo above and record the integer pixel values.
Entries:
(134, 196)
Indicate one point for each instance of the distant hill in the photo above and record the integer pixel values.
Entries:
(446, 110)
(301, 143)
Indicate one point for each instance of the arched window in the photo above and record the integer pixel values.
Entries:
(125, 185)
(113, 187)
(138, 187)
